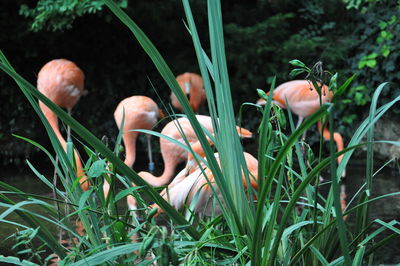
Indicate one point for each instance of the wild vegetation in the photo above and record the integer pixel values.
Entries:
(287, 220)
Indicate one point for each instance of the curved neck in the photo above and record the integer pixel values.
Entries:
(163, 180)
(130, 138)
(53, 121)
(336, 137)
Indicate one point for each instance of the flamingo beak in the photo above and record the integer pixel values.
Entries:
(189, 166)
(187, 88)
(161, 113)
(261, 102)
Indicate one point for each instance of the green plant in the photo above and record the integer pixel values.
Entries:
(374, 57)
(59, 15)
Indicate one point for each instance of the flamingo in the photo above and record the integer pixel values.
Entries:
(185, 186)
(62, 82)
(172, 154)
(303, 100)
(140, 112)
(192, 86)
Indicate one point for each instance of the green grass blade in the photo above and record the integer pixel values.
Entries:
(344, 243)
(44, 234)
(262, 195)
(293, 201)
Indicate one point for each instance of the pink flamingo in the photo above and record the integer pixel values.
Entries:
(303, 100)
(62, 81)
(139, 112)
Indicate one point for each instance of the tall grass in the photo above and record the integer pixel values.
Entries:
(263, 230)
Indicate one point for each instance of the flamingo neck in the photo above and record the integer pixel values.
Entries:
(336, 137)
(130, 147)
(53, 121)
(339, 143)
(162, 180)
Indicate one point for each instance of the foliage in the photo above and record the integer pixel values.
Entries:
(59, 15)
(374, 54)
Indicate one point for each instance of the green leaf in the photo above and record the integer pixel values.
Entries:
(372, 56)
(371, 63)
(368, 60)
(382, 25)
(16, 261)
(296, 62)
(392, 20)
(125, 193)
(296, 71)
(262, 94)
(333, 82)
(385, 50)
(380, 40)
(97, 168)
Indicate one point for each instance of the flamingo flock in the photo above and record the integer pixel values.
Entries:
(62, 81)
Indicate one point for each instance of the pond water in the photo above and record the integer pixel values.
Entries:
(386, 181)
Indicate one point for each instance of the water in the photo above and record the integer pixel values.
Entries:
(387, 209)
(386, 181)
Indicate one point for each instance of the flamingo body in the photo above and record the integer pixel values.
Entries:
(192, 86)
(62, 82)
(171, 153)
(184, 188)
(301, 96)
(137, 112)
(141, 112)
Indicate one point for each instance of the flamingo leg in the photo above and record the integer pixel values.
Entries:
(343, 197)
(303, 137)
(68, 127)
(299, 121)
(55, 180)
(151, 163)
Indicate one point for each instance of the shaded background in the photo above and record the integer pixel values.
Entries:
(261, 38)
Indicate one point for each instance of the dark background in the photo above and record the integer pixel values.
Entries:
(261, 37)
